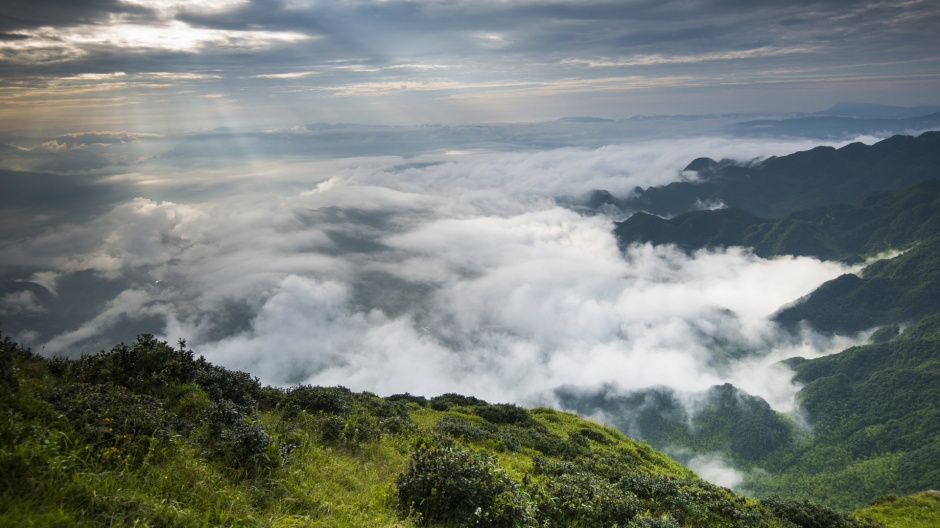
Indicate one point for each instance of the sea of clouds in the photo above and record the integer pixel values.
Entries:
(447, 271)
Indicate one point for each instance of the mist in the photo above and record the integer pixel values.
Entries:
(454, 271)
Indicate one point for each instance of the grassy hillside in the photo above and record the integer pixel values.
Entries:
(920, 510)
(150, 435)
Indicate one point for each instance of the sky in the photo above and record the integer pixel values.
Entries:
(156, 66)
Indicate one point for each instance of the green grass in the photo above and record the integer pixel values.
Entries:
(920, 510)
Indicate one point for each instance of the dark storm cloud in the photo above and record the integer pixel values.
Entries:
(30, 14)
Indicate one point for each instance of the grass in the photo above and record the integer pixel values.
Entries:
(920, 510)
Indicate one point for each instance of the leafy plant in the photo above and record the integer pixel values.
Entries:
(462, 488)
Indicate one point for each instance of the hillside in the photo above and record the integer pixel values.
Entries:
(875, 421)
(900, 290)
(152, 436)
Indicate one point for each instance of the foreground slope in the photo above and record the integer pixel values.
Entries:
(149, 435)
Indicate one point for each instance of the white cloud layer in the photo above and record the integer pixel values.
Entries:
(442, 273)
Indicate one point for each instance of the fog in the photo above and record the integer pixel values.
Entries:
(453, 271)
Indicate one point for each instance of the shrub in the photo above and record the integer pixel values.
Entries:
(461, 488)
(654, 522)
(582, 499)
(551, 445)
(329, 400)
(8, 377)
(503, 413)
(116, 422)
(462, 428)
(444, 402)
(349, 432)
(408, 398)
(808, 514)
(595, 435)
(238, 440)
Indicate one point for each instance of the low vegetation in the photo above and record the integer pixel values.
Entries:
(150, 435)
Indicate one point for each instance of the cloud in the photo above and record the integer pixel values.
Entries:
(21, 301)
(716, 469)
(423, 62)
(445, 272)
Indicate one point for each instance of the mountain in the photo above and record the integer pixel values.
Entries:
(779, 186)
(900, 290)
(723, 419)
(875, 421)
(150, 435)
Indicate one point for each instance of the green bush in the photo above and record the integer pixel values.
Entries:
(461, 488)
(503, 413)
(238, 440)
(118, 423)
(444, 402)
(808, 514)
(408, 398)
(582, 499)
(462, 428)
(8, 377)
(329, 400)
(350, 432)
(595, 435)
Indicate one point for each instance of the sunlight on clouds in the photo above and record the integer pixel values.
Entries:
(292, 75)
(171, 7)
(68, 43)
(657, 59)
(176, 36)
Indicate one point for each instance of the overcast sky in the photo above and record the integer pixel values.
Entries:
(159, 65)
